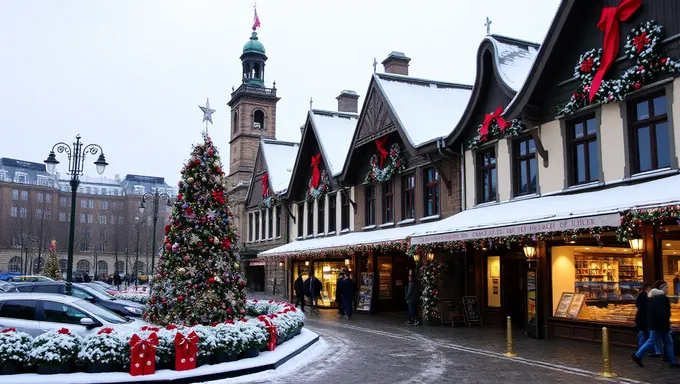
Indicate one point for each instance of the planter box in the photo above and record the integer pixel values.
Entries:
(297, 332)
(250, 352)
(53, 369)
(9, 369)
(103, 367)
(222, 357)
(166, 365)
(203, 360)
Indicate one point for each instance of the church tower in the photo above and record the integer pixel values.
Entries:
(253, 116)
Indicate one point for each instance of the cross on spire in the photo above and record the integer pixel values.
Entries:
(488, 25)
(310, 102)
(375, 64)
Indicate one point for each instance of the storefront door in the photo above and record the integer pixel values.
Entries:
(514, 303)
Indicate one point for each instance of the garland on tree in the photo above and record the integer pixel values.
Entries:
(321, 188)
(632, 221)
(642, 46)
(198, 279)
(430, 272)
(399, 245)
(51, 269)
(381, 172)
(495, 125)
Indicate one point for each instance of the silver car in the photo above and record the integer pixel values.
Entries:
(36, 313)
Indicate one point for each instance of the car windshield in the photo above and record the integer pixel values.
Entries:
(95, 292)
(102, 291)
(101, 313)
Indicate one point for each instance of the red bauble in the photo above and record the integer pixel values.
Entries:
(228, 311)
(641, 68)
(164, 300)
(200, 243)
(189, 211)
(186, 258)
(203, 251)
(153, 300)
(211, 280)
(637, 85)
(663, 60)
(211, 240)
(180, 298)
(241, 284)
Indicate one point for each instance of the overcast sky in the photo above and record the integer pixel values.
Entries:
(129, 74)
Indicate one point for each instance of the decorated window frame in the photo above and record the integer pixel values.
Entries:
(571, 142)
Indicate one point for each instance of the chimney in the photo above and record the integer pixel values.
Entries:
(396, 63)
(348, 101)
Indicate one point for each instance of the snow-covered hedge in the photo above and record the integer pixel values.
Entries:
(110, 347)
(131, 296)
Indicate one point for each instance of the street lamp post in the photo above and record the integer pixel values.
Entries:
(136, 266)
(155, 198)
(76, 161)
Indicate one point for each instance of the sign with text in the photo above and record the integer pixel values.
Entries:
(471, 309)
(610, 220)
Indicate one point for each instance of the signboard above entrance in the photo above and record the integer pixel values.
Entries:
(610, 220)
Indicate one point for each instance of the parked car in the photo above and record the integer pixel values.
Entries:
(110, 289)
(84, 291)
(20, 279)
(36, 313)
(7, 287)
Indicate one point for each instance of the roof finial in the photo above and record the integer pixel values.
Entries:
(488, 25)
(310, 102)
(375, 64)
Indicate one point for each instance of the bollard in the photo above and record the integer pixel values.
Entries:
(510, 352)
(606, 359)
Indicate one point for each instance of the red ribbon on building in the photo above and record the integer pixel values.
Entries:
(380, 144)
(489, 118)
(143, 354)
(186, 348)
(610, 24)
(271, 329)
(316, 176)
(265, 185)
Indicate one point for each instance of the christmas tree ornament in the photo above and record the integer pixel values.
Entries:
(190, 180)
(180, 271)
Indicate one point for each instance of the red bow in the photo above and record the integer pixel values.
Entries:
(609, 24)
(489, 118)
(587, 65)
(316, 160)
(380, 144)
(265, 184)
(271, 329)
(143, 355)
(639, 42)
(186, 348)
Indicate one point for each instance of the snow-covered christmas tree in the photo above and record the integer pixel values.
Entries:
(198, 278)
(51, 269)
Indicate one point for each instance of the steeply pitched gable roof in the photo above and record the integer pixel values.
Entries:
(334, 132)
(280, 157)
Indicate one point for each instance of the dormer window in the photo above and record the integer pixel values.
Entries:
(21, 177)
(3, 175)
(258, 119)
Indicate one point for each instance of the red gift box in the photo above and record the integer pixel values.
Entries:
(271, 329)
(143, 354)
(186, 348)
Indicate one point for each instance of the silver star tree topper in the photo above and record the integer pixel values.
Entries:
(207, 112)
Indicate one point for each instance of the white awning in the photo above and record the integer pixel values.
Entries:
(552, 213)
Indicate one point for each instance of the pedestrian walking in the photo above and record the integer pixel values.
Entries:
(299, 286)
(348, 291)
(338, 294)
(313, 291)
(412, 296)
(116, 280)
(659, 324)
(641, 317)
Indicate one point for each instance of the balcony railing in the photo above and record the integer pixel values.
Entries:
(244, 88)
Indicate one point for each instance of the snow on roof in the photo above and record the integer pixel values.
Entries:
(607, 201)
(513, 61)
(280, 158)
(335, 132)
(426, 109)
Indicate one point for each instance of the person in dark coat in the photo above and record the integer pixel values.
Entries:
(300, 292)
(659, 324)
(338, 294)
(313, 291)
(642, 304)
(116, 280)
(412, 297)
(348, 291)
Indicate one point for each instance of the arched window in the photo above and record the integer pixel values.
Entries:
(258, 119)
(120, 266)
(38, 264)
(138, 267)
(82, 267)
(234, 125)
(102, 268)
(14, 265)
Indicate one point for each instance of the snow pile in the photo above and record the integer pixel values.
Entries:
(55, 348)
(136, 297)
(513, 62)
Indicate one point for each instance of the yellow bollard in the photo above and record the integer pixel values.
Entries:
(510, 352)
(606, 359)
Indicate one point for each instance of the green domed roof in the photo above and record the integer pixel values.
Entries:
(254, 45)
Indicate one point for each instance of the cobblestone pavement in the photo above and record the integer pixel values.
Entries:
(379, 348)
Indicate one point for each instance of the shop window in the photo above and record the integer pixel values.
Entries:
(650, 140)
(493, 281)
(431, 177)
(670, 251)
(525, 166)
(408, 197)
(385, 277)
(321, 225)
(310, 218)
(487, 181)
(387, 202)
(257, 226)
(270, 224)
(299, 219)
(328, 272)
(597, 284)
(369, 214)
(331, 212)
(584, 163)
(344, 212)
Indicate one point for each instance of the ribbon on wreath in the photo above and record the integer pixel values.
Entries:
(143, 354)
(271, 330)
(186, 348)
(265, 185)
(380, 145)
(316, 176)
(610, 24)
(491, 117)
